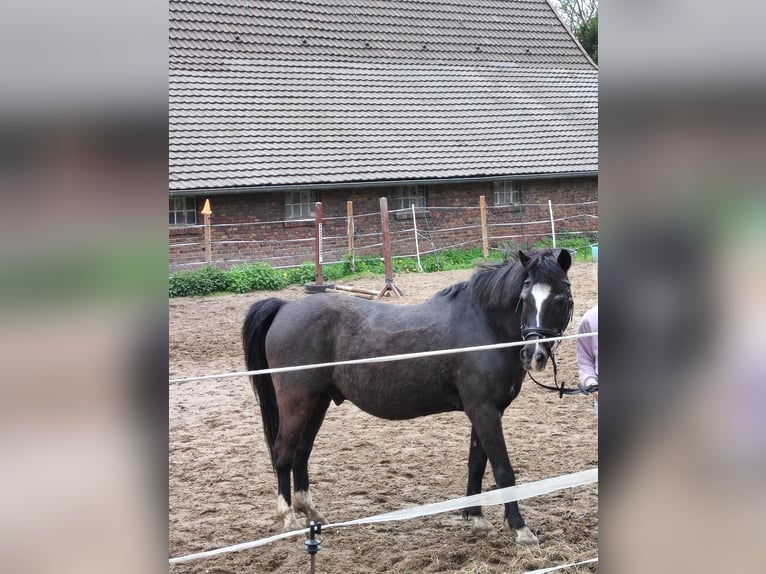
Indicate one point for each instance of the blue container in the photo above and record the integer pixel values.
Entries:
(594, 251)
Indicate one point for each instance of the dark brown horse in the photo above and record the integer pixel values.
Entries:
(526, 300)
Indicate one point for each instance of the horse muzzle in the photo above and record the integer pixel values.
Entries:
(534, 356)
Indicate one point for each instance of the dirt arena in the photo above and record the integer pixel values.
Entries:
(223, 490)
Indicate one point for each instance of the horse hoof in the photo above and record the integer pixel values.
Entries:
(315, 516)
(525, 537)
(293, 523)
(481, 524)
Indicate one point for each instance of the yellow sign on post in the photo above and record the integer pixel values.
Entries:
(206, 211)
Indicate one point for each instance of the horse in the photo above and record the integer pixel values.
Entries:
(524, 299)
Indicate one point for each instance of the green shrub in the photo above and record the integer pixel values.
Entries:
(199, 282)
(431, 263)
(370, 264)
(460, 258)
(404, 265)
(334, 271)
(180, 284)
(254, 277)
(306, 273)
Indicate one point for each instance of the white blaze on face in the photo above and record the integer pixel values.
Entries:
(539, 294)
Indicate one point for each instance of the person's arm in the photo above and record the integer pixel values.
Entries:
(586, 358)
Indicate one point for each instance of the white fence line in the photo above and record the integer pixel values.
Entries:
(435, 232)
(562, 567)
(382, 359)
(493, 497)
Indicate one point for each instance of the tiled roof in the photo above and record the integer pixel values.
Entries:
(281, 93)
(439, 31)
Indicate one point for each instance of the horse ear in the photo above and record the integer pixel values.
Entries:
(565, 260)
(524, 258)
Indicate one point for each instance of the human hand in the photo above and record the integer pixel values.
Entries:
(589, 385)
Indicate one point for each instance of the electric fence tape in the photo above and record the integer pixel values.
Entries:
(493, 497)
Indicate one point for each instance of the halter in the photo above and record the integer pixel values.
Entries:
(545, 333)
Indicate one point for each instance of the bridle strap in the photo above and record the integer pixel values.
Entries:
(545, 333)
(560, 390)
(541, 332)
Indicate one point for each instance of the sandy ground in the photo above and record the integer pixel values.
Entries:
(223, 490)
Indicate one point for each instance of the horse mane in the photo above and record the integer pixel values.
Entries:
(452, 291)
(492, 286)
(498, 285)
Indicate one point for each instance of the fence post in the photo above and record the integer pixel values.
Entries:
(350, 231)
(318, 242)
(484, 238)
(389, 286)
(553, 228)
(207, 212)
(415, 229)
(523, 226)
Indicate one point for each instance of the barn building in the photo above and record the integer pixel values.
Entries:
(277, 105)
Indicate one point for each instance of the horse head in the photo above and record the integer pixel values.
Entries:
(546, 301)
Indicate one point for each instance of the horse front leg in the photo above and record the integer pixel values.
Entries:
(477, 465)
(487, 422)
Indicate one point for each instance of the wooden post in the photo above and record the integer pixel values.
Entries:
(386, 240)
(484, 238)
(350, 217)
(389, 286)
(207, 212)
(318, 242)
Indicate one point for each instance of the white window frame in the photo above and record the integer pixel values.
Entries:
(404, 196)
(182, 210)
(507, 192)
(300, 205)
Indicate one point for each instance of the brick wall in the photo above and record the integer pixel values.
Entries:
(250, 227)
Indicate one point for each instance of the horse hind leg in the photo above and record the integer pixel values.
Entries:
(286, 513)
(293, 421)
(303, 502)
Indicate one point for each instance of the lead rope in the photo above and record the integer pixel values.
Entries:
(561, 390)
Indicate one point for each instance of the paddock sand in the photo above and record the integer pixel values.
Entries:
(223, 491)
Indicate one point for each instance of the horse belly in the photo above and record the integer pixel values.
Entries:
(394, 393)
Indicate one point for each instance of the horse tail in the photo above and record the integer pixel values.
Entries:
(257, 323)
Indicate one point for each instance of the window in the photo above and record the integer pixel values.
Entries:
(507, 192)
(300, 204)
(407, 195)
(183, 211)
